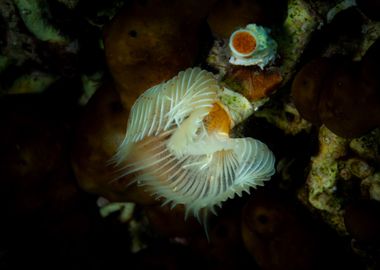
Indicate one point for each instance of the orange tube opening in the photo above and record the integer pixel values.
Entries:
(244, 42)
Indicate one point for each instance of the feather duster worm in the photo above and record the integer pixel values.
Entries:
(178, 145)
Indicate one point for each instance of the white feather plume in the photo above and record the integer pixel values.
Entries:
(176, 158)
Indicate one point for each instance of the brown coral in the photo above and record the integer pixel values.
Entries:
(307, 86)
(342, 94)
(100, 131)
(229, 15)
(151, 41)
(276, 235)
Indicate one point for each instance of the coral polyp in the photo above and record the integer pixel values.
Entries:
(179, 147)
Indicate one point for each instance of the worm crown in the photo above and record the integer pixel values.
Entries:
(178, 144)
